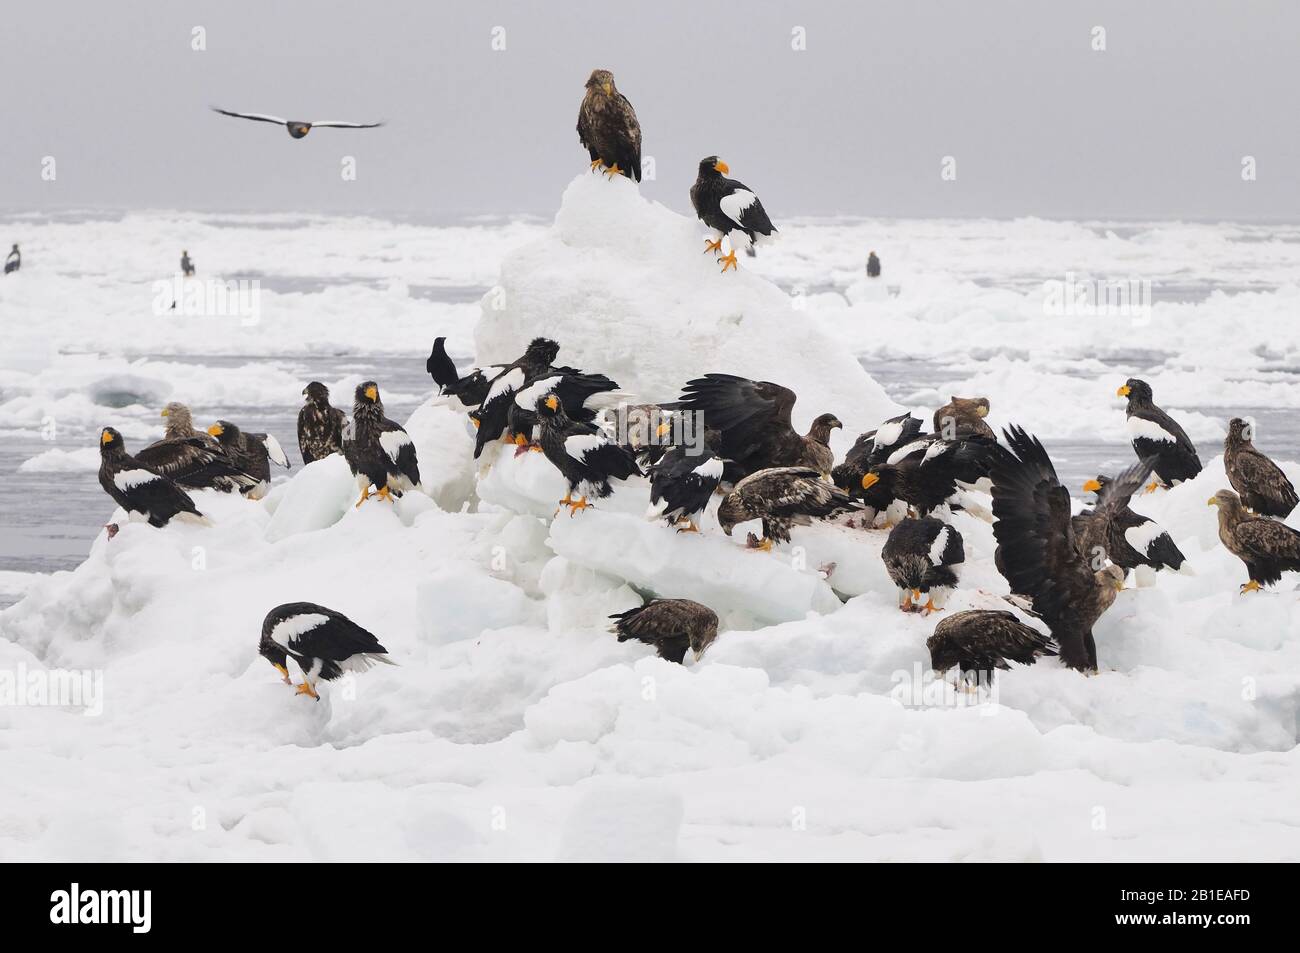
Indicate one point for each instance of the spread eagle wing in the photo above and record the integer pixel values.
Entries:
(748, 414)
(257, 117)
(1115, 494)
(340, 124)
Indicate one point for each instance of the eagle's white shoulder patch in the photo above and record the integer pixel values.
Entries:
(733, 206)
(938, 546)
(393, 441)
(710, 469)
(579, 445)
(1141, 537)
(1141, 428)
(130, 479)
(510, 381)
(296, 625)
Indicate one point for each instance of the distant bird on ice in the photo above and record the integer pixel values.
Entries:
(873, 265)
(14, 260)
(187, 265)
(324, 643)
(298, 129)
(730, 209)
(608, 128)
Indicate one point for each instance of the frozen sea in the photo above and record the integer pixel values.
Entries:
(352, 269)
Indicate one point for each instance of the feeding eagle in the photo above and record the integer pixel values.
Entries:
(324, 643)
(781, 497)
(608, 129)
(1157, 435)
(872, 449)
(138, 489)
(1259, 481)
(298, 129)
(671, 625)
(980, 640)
(1267, 547)
(1038, 553)
(681, 485)
(730, 209)
(320, 424)
(753, 423)
(923, 557)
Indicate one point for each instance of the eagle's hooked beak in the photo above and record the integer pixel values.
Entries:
(697, 653)
(1123, 391)
(982, 410)
(608, 88)
(869, 481)
(372, 392)
(284, 673)
(1212, 501)
(215, 430)
(722, 167)
(1092, 486)
(165, 413)
(553, 402)
(105, 437)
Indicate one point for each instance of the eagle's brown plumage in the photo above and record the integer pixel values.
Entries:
(608, 128)
(980, 640)
(320, 424)
(963, 417)
(1267, 547)
(781, 497)
(671, 625)
(1262, 485)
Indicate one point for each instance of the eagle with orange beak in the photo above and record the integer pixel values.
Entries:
(729, 208)
(377, 449)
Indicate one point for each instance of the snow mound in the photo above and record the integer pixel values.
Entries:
(621, 284)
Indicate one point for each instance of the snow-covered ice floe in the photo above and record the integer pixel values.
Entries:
(515, 725)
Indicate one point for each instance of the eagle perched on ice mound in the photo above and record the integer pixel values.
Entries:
(729, 208)
(608, 128)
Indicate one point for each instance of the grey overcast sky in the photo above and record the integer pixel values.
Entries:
(858, 123)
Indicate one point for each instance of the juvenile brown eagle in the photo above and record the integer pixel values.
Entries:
(608, 129)
(320, 424)
(670, 625)
(781, 497)
(980, 640)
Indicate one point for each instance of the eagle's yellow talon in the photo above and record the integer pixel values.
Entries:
(613, 171)
(596, 164)
(306, 689)
(1152, 486)
(1251, 586)
(729, 261)
(715, 247)
(365, 495)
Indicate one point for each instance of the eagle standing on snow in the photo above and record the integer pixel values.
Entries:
(730, 209)
(681, 485)
(1267, 547)
(298, 129)
(671, 625)
(377, 449)
(1155, 434)
(980, 640)
(320, 424)
(584, 454)
(1038, 553)
(1111, 530)
(753, 423)
(324, 643)
(493, 414)
(781, 497)
(1262, 485)
(137, 488)
(581, 395)
(607, 128)
(252, 452)
(923, 557)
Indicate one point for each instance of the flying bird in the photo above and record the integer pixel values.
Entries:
(1155, 434)
(1038, 553)
(1110, 530)
(730, 209)
(1267, 547)
(754, 427)
(1260, 482)
(981, 640)
(298, 129)
(320, 424)
(670, 625)
(377, 449)
(323, 643)
(781, 497)
(584, 454)
(140, 490)
(608, 128)
(251, 452)
(923, 557)
(681, 485)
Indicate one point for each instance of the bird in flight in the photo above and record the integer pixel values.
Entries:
(298, 129)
